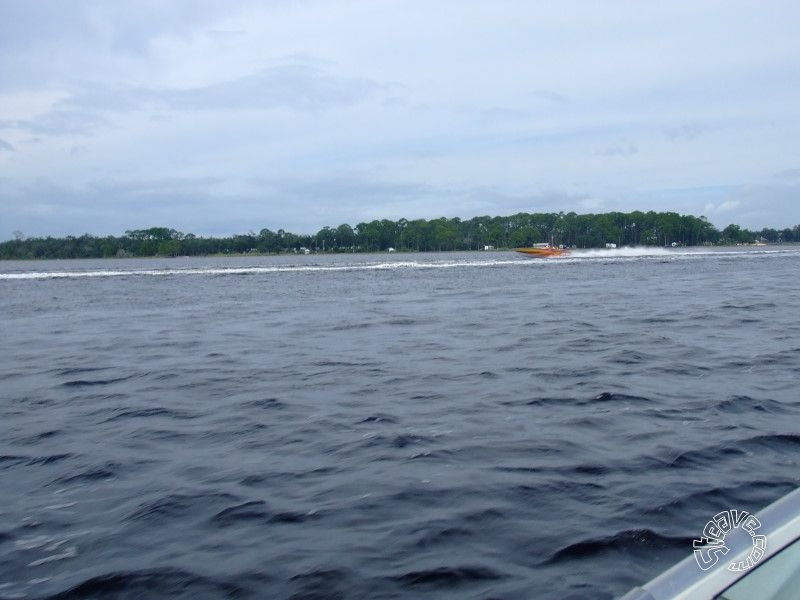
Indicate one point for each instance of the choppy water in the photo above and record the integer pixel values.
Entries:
(396, 426)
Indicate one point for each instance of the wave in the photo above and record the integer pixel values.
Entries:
(106, 471)
(88, 382)
(11, 460)
(258, 511)
(265, 403)
(322, 583)
(741, 404)
(752, 493)
(633, 541)
(430, 536)
(604, 397)
(178, 505)
(166, 583)
(150, 412)
(448, 576)
(713, 454)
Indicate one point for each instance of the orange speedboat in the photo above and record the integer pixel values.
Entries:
(541, 251)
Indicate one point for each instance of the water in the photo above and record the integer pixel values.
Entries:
(398, 426)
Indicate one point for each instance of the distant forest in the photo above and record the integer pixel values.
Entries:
(523, 229)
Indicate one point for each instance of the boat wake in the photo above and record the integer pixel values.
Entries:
(423, 262)
(626, 252)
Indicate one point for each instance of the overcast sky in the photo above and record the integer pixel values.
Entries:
(223, 117)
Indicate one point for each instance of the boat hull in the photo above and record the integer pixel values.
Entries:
(541, 252)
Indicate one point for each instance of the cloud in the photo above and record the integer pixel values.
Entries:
(619, 150)
(721, 208)
(788, 175)
(550, 96)
(592, 204)
(4, 145)
(296, 87)
(225, 34)
(293, 87)
(25, 25)
(46, 207)
(766, 205)
(300, 205)
(305, 204)
(499, 113)
(687, 132)
(46, 44)
(58, 122)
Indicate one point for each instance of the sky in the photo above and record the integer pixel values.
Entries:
(227, 117)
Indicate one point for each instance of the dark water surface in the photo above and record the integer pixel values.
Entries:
(395, 426)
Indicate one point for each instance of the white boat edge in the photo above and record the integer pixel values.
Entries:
(780, 523)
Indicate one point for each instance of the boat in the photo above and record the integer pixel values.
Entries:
(763, 563)
(541, 251)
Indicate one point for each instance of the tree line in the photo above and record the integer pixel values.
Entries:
(523, 229)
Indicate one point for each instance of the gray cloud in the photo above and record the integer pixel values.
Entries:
(687, 131)
(619, 150)
(294, 87)
(4, 145)
(550, 96)
(499, 113)
(304, 205)
(301, 205)
(58, 122)
(358, 198)
(765, 205)
(44, 207)
(26, 24)
(788, 175)
(48, 42)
